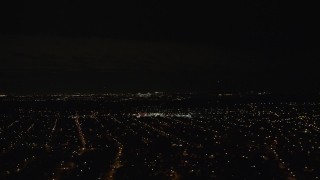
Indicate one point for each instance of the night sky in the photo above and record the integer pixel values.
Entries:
(130, 46)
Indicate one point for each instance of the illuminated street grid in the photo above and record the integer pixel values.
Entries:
(168, 137)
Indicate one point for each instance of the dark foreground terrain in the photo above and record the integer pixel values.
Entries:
(159, 136)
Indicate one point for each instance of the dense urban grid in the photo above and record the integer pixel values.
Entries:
(159, 135)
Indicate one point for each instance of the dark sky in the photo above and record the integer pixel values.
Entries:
(69, 47)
